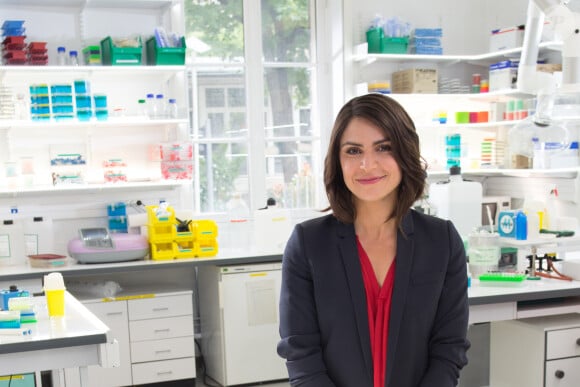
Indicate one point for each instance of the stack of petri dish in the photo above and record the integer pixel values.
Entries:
(83, 100)
(61, 102)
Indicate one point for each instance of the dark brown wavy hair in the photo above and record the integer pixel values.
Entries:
(388, 115)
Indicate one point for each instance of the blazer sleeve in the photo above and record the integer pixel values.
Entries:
(448, 344)
(300, 342)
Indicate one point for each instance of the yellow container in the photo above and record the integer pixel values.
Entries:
(204, 229)
(161, 228)
(206, 248)
(163, 250)
(185, 248)
(55, 302)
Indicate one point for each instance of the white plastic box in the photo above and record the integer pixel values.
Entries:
(506, 38)
(503, 75)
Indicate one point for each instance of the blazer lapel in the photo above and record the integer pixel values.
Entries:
(404, 262)
(350, 259)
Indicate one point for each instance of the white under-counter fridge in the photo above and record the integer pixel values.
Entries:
(239, 322)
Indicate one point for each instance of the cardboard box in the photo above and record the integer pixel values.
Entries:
(506, 38)
(423, 81)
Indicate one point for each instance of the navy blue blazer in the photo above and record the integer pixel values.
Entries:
(324, 325)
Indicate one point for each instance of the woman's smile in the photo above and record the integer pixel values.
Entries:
(371, 180)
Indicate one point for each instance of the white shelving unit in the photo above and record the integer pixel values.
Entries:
(125, 135)
(423, 107)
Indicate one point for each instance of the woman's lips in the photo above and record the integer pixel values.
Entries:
(370, 180)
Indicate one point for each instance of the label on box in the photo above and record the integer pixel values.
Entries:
(506, 224)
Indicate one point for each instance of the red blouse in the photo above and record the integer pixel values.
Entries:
(379, 310)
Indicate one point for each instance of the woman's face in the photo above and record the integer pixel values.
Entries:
(369, 169)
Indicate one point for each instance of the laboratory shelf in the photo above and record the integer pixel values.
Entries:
(566, 173)
(454, 126)
(112, 122)
(361, 55)
(55, 73)
(76, 189)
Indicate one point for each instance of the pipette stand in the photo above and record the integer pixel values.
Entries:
(533, 275)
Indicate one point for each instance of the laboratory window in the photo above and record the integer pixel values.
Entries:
(253, 127)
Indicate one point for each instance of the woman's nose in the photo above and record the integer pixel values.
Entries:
(366, 162)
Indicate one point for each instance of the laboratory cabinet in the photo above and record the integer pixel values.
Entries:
(239, 323)
(536, 352)
(155, 335)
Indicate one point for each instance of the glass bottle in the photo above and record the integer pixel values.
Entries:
(73, 58)
(172, 108)
(159, 106)
(150, 104)
(61, 56)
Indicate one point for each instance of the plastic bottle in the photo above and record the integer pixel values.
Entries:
(159, 106)
(239, 234)
(73, 58)
(61, 56)
(459, 201)
(151, 107)
(172, 108)
(521, 226)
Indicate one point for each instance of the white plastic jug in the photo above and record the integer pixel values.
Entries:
(459, 201)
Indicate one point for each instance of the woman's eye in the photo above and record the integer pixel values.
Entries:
(353, 151)
(384, 148)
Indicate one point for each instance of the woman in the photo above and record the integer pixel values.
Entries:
(374, 294)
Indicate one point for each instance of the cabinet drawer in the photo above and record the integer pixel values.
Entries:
(161, 328)
(164, 306)
(162, 371)
(563, 372)
(109, 311)
(562, 343)
(154, 350)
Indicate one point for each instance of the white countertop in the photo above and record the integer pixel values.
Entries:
(73, 340)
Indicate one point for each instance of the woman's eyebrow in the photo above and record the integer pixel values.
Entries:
(352, 143)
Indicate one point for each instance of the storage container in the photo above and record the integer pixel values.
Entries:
(165, 55)
(47, 260)
(393, 45)
(115, 55)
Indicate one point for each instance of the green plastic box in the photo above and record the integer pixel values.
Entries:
(120, 56)
(165, 55)
(395, 45)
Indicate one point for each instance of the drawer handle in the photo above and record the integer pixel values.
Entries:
(120, 313)
(163, 351)
(559, 374)
(161, 330)
(160, 309)
(165, 373)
